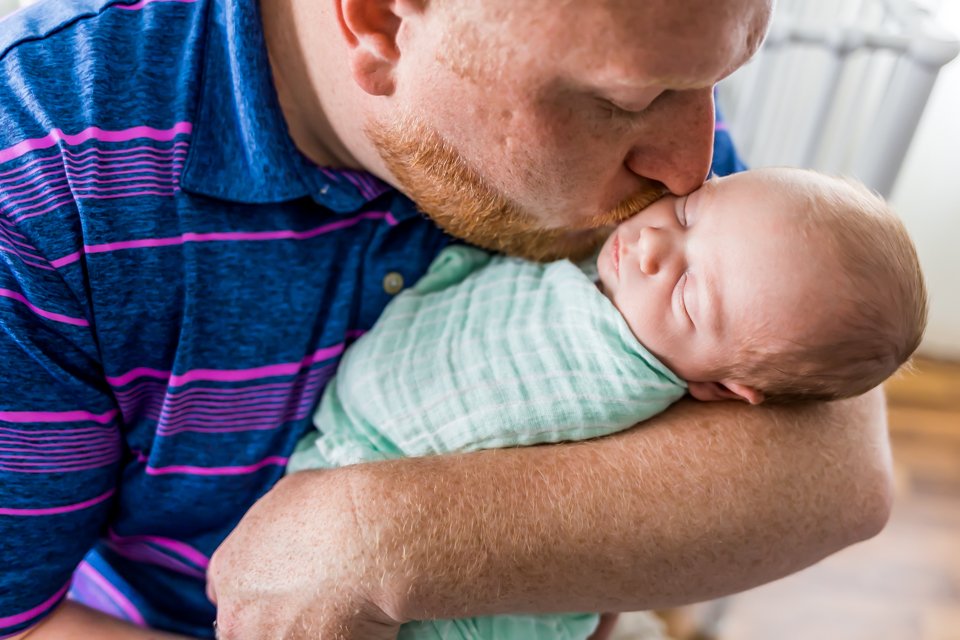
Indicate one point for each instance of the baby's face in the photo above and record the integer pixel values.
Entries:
(699, 276)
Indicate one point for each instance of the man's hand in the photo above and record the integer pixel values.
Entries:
(297, 567)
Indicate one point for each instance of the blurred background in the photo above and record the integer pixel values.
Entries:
(869, 88)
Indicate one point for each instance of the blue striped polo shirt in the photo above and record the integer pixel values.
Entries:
(177, 285)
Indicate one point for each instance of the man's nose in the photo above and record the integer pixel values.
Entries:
(653, 247)
(675, 147)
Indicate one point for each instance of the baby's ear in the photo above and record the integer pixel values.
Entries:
(714, 391)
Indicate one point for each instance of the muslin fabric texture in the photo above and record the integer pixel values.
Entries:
(488, 352)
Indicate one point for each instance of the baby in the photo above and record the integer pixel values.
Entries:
(772, 285)
(776, 284)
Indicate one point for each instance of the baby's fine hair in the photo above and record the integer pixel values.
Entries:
(883, 299)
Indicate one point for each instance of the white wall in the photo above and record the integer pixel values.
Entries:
(927, 195)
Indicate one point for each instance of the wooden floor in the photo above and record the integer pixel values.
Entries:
(905, 583)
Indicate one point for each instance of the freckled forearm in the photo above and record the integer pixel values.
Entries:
(702, 501)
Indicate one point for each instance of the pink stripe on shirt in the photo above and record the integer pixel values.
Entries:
(30, 614)
(51, 511)
(49, 315)
(140, 5)
(93, 133)
(176, 546)
(114, 594)
(217, 471)
(233, 236)
(57, 416)
(228, 375)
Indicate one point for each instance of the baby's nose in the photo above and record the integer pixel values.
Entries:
(652, 248)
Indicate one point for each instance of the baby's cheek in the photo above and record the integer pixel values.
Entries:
(640, 319)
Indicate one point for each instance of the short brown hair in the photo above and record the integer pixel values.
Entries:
(884, 313)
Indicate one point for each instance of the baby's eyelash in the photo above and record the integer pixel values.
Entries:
(683, 301)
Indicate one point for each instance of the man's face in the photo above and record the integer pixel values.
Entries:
(533, 127)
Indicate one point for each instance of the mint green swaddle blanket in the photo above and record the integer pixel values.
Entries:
(488, 352)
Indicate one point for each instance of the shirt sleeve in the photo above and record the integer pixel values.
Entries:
(60, 444)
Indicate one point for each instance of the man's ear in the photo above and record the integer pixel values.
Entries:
(713, 391)
(370, 29)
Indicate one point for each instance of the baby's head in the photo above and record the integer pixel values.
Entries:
(773, 284)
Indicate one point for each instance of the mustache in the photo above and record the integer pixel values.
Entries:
(649, 193)
(458, 199)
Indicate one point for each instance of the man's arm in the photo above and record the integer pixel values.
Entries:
(702, 501)
(73, 621)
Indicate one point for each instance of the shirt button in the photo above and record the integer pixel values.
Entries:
(392, 283)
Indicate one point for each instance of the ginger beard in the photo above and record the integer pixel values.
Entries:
(447, 189)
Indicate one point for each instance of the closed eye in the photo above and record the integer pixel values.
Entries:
(614, 110)
(620, 110)
(681, 289)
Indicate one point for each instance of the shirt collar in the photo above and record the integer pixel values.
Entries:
(240, 148)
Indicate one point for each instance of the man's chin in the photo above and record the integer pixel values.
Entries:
(540, 245)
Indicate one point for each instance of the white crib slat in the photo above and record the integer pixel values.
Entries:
(881, 156)
(773, 137)
(839, 85)
(746, 121)
(843, 41)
